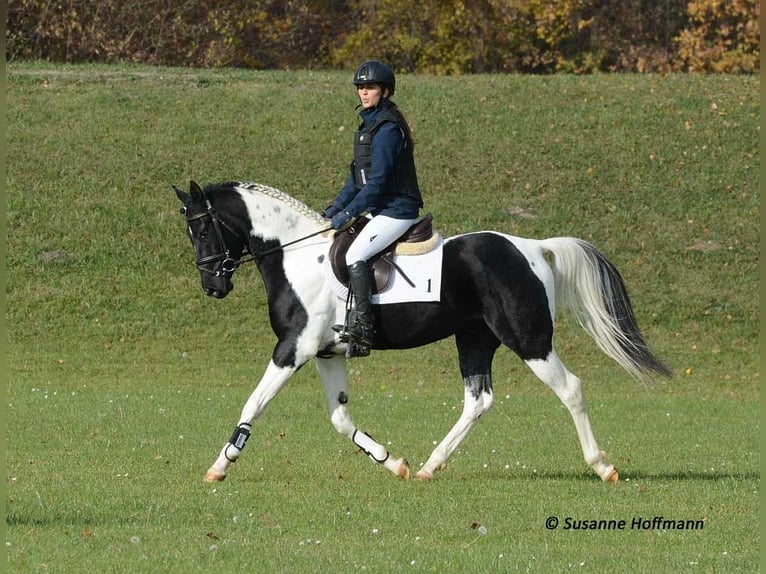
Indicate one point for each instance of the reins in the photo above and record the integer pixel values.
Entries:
(227, 265)
(257, 256)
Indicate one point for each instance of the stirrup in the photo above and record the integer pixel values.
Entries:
(357, 333)
(343, 333)
(354, 347)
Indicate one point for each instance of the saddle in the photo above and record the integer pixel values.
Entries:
(417, 239)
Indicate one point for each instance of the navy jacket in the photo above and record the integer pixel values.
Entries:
(376, 196)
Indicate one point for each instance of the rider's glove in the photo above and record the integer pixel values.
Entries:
(342, 220)
(329, 211)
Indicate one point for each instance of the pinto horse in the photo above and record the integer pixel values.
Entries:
(495, 289)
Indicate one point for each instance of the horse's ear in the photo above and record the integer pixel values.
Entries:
(195, 189)
(182, 195)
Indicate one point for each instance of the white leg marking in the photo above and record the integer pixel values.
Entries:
(335, 380)
(569, 390)
(270, 384)
(473, 408)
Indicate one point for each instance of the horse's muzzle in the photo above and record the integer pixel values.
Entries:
(215, 293)
(218, 291)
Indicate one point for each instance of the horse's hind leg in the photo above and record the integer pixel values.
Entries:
(569, 389)
(475, 350)
(335, 380)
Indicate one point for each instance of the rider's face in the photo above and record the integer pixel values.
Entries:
(369, 95)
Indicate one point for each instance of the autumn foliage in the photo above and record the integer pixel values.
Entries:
(434, 36)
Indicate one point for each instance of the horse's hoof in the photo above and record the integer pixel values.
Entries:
(613, 477)
(404, 469)
(214, 476)
(423, 475)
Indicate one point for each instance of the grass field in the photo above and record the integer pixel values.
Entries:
(124, 380)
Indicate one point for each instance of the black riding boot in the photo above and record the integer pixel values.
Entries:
(358, 331)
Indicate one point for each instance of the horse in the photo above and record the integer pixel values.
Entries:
(496, 289)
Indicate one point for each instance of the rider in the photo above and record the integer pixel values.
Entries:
(382, 182)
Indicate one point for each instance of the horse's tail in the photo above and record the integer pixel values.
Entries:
(593, 290)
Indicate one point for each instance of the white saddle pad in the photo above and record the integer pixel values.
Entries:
(424, 271)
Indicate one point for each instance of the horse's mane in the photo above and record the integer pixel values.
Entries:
(251, 187)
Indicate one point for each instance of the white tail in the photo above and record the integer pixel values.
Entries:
(593, 290)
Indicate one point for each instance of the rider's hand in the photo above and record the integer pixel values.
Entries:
(342, 220)
(329, 211)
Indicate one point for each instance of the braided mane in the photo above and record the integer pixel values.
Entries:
(289, 200)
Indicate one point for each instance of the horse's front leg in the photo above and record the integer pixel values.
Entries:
(270, 384)
(335, 381)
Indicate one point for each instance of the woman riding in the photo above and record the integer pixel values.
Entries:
(383, 183)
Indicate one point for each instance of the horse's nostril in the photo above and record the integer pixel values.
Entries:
(217, 292)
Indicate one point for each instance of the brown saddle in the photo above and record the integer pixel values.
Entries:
(382, 264)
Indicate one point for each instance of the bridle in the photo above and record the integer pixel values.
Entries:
(226, 265)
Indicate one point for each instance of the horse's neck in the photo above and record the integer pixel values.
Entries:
(297, 269)
(276, 215)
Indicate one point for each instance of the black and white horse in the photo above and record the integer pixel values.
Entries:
(495, 289)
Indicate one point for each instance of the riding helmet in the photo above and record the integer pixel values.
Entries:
(375, 72)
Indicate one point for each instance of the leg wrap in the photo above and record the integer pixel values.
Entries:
(375, 451)
(237, 442)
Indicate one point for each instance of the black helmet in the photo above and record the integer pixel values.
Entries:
(375, 72)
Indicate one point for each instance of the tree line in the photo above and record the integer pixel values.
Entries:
(428, 36)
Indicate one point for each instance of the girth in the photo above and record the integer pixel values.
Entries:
(382, 264)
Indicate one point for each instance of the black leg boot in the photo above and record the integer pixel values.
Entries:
(359, 332)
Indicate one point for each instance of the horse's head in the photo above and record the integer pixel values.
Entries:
(217, 247)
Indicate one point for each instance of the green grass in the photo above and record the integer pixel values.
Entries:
(124, 380)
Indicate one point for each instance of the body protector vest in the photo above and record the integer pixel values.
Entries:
(404, 181)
